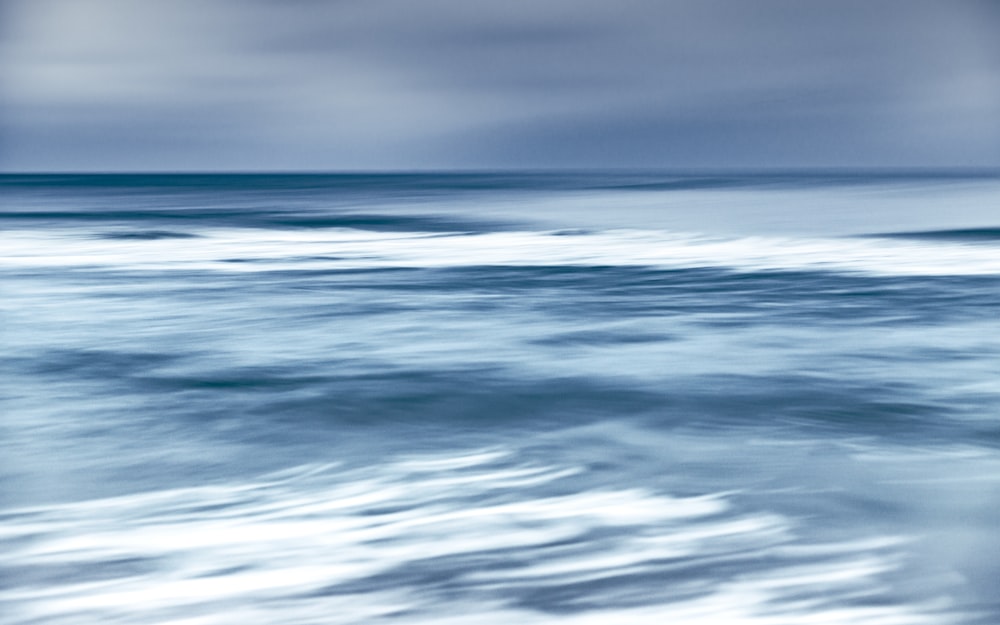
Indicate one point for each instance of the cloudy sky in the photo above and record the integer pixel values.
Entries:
(442, 84)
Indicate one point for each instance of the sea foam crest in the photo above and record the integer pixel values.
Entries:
(342, 248)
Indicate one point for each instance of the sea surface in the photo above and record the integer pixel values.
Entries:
(568, 399)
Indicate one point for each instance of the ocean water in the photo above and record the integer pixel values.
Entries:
(492, 398)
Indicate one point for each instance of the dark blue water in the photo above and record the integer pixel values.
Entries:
(573, 398)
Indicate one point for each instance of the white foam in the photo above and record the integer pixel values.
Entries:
(439, 538)
(257, 250)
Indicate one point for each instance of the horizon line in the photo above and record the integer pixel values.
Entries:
(674, 171)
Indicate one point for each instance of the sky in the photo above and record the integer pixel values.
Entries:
(223, 85)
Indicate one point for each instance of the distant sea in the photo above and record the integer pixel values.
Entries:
(570, 399)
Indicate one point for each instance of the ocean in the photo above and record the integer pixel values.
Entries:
(543, 398)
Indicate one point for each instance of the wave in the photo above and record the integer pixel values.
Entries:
(147, 235)
(962, 234)
(229, 249)
(200, 217)
(483, 535)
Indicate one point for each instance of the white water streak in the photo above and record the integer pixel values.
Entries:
(410, 544)
(256, 250)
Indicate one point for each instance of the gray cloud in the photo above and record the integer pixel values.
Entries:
(369, 84)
